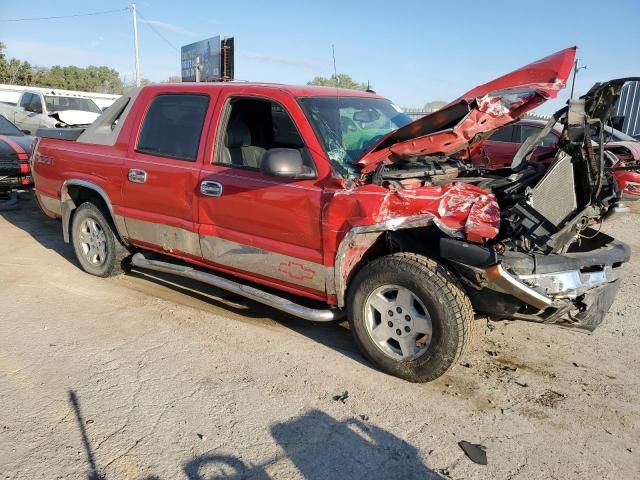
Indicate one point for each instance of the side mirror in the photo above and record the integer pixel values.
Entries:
(285, 163)
(26, 132)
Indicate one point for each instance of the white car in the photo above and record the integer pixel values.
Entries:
(50, 109)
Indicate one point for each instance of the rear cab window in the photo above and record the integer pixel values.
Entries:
(173, 125)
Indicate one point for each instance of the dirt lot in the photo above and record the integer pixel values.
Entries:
(146, 377)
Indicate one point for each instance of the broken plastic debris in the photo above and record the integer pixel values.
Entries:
(342, 397)
(475, 452)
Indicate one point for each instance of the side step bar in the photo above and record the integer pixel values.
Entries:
(252, 293)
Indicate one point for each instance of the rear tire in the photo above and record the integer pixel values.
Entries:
(95, 242)
(409, 316)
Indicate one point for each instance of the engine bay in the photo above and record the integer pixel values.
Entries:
(543, 209)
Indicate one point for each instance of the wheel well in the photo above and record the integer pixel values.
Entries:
(423, 240)
(75, 195)
(80, 194)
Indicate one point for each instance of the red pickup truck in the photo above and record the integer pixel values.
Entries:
(291, 194)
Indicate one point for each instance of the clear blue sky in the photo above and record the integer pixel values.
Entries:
(410, 51)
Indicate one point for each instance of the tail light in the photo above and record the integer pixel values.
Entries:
(25, 169)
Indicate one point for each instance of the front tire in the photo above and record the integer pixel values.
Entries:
(409, 316)
(95, 242)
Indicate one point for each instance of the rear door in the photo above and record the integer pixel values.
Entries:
(26, 118)
(162, 172)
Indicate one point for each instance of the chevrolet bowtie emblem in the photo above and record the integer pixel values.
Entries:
(296, 270)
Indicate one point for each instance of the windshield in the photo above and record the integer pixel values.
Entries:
(8, 128)
(347, 126)
(58, 103)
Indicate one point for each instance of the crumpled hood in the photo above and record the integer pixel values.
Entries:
(481, 110)
(75, 117)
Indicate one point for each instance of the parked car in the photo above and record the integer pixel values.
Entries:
(37, 109)
(626, 169)
(498, 150)
(243, 185)
(15, 149)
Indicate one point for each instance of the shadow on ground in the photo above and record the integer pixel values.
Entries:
(317, 445)
(26, 216)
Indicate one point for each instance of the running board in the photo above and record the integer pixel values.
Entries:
(252, 293)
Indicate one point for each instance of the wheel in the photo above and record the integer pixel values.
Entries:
(95, 243)
(409, 316)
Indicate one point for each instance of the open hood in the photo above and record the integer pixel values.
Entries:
(75, 117)
(478, 111)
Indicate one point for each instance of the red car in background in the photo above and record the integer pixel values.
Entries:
(499, 149)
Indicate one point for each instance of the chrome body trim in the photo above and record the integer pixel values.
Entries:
(572, 283)
(137, 176)
(68, 206)
(498, 279)
(210, 189)
(246, 291)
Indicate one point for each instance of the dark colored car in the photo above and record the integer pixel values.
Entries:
(499, 149)
(15, 149)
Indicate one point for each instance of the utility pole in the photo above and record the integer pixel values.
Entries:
(576, 69)
(135, 43)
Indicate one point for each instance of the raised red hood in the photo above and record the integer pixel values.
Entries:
(478, 111)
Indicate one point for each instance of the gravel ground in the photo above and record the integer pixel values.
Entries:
(149, 377)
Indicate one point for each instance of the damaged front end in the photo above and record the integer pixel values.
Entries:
(526, 241)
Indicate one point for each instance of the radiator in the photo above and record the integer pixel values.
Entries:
(555, 195)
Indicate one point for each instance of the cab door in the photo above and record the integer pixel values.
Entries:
(264, 226)
(28, 118)
(162, 168)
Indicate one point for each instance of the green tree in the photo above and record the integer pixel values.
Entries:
(90, 79)
(343, 81)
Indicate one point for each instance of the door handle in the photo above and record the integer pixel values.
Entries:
(210, 189)
(137, 176)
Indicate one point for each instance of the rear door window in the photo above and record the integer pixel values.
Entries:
(527, 130)
(173, 125)
(504, 134)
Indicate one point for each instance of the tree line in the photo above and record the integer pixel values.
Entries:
(100, 79)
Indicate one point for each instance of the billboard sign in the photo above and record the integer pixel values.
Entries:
(208, 52)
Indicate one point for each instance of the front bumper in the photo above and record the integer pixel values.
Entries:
(575, 289)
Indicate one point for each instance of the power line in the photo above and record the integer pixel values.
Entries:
(27, 19)
(148, 22)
